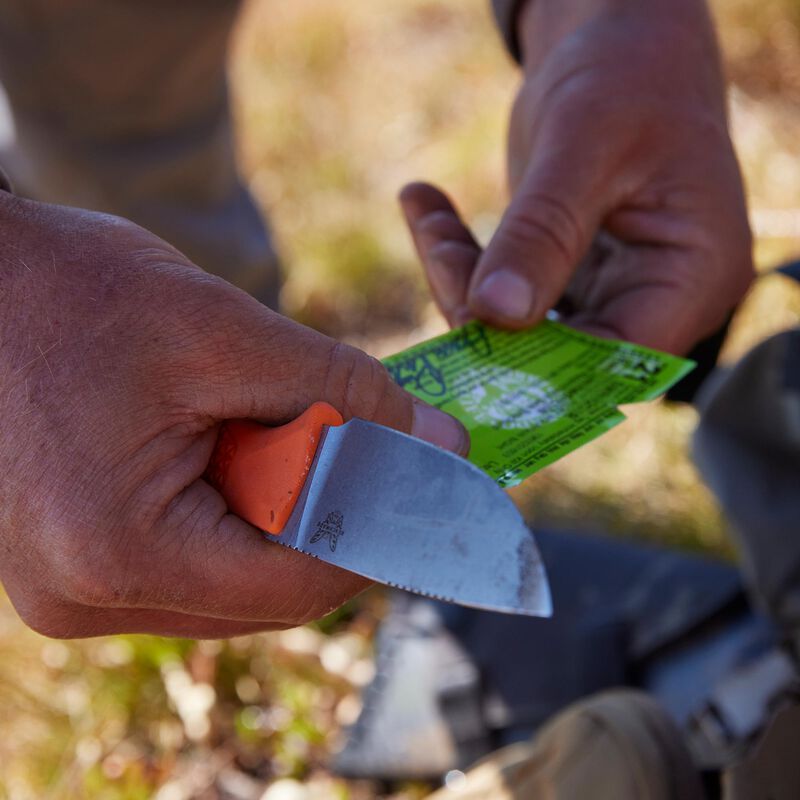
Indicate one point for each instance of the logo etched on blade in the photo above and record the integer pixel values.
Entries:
(330, 528)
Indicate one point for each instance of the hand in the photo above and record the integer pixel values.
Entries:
(119, 358)
(627, 212)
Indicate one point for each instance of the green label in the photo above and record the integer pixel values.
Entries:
(528, 398)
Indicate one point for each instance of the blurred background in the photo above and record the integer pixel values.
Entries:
(338, 104)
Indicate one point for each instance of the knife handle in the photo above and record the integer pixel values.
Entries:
(260, 471)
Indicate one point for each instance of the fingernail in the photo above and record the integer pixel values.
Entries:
(439, 428)
(506, 293)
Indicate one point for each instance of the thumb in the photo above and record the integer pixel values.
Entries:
(274, 369)
(542, 236)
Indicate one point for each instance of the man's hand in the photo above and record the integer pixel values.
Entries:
(627, 211)
(118, 360)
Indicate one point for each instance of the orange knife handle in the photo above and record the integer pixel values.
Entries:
(260, 471)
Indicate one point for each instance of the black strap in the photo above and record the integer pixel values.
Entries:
(707, 352)
(791, 269)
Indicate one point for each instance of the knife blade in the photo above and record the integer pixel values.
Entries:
(385, 505)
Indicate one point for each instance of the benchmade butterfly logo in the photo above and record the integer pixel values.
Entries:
(330, 528)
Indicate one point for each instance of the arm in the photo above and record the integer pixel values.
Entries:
(118, 360)
(627, 209)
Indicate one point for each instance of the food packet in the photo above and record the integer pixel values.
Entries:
(530, 397)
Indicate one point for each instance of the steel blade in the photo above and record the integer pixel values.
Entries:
(408, 514)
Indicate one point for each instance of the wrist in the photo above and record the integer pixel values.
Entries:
(543, 24)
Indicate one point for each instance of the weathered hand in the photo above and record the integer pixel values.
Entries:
(118, 359)
(627, 211)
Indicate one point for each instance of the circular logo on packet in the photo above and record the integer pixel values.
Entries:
(509, 399)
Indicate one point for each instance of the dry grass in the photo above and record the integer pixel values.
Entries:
(339, 104)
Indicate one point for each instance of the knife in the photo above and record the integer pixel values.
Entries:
(382, 504)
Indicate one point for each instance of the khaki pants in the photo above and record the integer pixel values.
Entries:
(621, 745)
(122, 106)
(618, 745)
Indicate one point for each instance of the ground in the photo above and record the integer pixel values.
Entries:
(339, 103)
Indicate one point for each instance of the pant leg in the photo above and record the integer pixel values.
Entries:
(617, 745)
(122, 106)
(771, 771)
(747, 448)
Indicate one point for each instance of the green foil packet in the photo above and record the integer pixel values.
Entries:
(530, 397)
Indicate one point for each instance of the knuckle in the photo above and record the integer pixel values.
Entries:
(540, 219)
(49, 626)
(452, 253)
(49, 618)
(437, 223)
(87, 578)
(87, 585)
(355, 383)
(86, 542)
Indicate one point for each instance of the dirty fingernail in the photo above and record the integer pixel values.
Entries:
(439, 428)
(507, 294)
